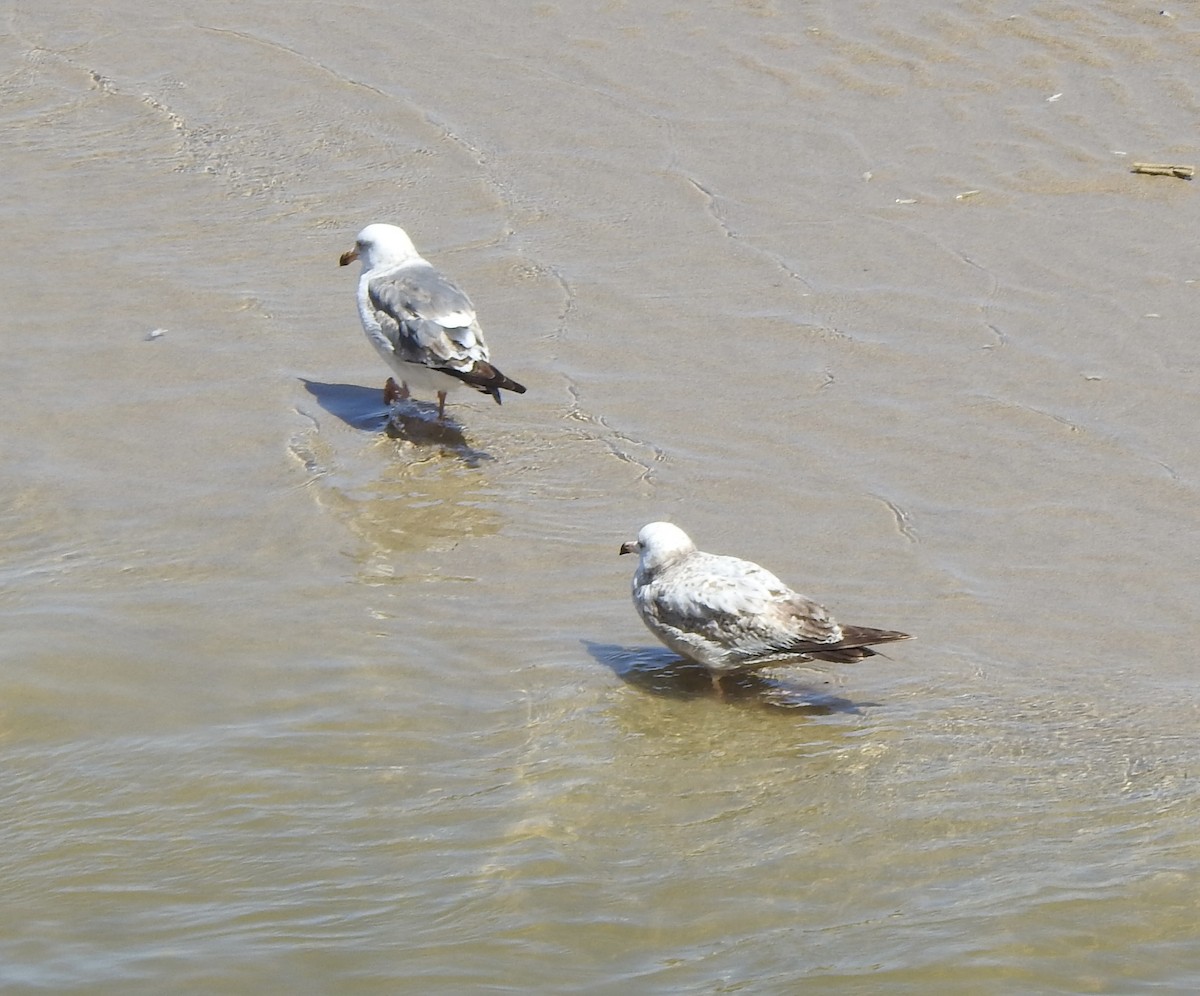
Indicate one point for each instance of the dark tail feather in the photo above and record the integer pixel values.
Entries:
(486, 378)
(856, 644)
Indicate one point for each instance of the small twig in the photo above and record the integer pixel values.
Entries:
(1164, 169)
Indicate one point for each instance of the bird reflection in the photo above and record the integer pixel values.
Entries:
(411, 421)
(417, 422)
(660, 672)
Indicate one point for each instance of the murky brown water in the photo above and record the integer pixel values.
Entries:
(863, 292)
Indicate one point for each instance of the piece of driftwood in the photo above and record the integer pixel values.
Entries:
(1163, 169)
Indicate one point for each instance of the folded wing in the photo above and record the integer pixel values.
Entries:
(430, 321)
(741, 607)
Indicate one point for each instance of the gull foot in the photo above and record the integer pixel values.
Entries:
(393, 392)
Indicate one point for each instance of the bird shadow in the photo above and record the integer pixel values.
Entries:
(412, 421)
(660, 672)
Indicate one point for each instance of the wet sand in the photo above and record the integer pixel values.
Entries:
(867, 296)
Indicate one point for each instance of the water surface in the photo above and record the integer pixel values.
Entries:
(866, 293)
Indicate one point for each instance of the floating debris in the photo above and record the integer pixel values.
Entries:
(1164, 169)
(155, 334)
(965, 194)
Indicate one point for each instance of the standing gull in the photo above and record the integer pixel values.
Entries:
(731, 615)
(422, 324)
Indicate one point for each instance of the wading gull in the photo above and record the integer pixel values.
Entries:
(730, 615)
(422, 324)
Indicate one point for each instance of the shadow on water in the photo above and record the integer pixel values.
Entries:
(658, 671)
(411, 421)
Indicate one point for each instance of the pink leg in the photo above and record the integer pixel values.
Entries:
(441, 406)
(393, 392)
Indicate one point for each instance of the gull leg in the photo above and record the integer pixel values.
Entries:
(718, 688)
(393, 392)
(441, 406)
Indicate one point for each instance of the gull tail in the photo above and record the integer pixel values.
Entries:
(486, 378)
(855, 644)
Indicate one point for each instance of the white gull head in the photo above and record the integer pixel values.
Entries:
(659, 544)
(381, 245)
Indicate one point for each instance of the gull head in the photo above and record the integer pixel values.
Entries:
(378, 245)
(659, 543)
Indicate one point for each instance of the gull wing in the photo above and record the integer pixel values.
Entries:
(739, 606)
(426, 318)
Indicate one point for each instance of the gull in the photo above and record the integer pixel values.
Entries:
(731, 615)
(423, 326)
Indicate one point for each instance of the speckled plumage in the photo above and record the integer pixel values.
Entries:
(733, 615)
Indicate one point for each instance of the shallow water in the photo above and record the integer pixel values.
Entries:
(866, 294)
